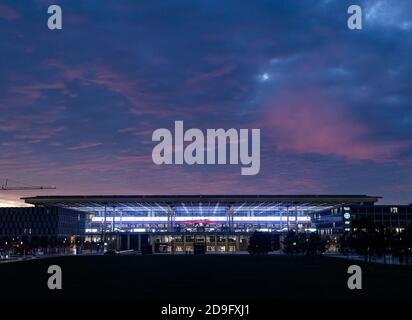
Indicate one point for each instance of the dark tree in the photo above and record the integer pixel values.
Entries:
(315, 244)
(401, 245)
(361, 238)
(294, 243)
(381, 239)
(260, 243)
(345, 244)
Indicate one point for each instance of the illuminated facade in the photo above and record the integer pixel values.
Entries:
(178, 223)
(49, 227)
(348, 218)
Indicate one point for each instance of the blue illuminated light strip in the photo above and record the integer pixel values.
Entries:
(130, 219)
(184, 209)
(210, 218)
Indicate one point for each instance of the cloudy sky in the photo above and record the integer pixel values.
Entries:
(78, 106)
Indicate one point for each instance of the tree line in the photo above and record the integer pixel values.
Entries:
(367, 239)
(375, 240)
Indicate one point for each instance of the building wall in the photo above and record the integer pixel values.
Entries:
(390, 216)
(41, 221)
(345, 218)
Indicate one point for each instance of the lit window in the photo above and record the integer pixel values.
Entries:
(394, 210)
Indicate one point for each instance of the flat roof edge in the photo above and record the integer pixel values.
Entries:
(329, 198)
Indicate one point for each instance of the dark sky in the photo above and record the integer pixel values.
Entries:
(78, 106)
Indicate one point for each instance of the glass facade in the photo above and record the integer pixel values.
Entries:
(187, 223)
(195, 218)
(346, 218)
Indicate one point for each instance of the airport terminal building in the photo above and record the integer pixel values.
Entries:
(221, 223)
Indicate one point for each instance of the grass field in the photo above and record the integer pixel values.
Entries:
(202, 277)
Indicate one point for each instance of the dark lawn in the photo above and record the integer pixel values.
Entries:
(202, 277)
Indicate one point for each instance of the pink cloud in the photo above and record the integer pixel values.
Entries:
(131, 87)
(8, 13)
(35, 135)
(85, 146)
(310, 125)
(37, 126)
(27, 93)
(209, 76)
(113, 80)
